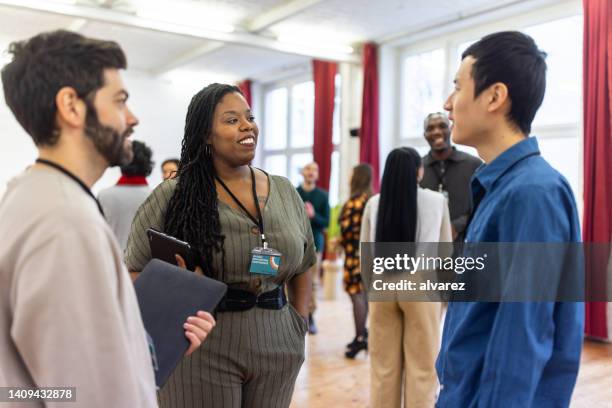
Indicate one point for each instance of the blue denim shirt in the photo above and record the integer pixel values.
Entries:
(514, 354)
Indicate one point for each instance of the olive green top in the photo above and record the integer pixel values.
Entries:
(286, 226)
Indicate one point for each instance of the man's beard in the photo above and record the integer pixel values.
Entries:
(108, 142)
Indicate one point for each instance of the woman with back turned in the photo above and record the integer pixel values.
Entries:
(404, 336)
(227, 211)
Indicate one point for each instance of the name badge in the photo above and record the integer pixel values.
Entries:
(265, 261)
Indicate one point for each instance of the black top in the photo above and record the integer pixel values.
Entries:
(452, 177)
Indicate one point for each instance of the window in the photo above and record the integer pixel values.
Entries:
(422, 90)
(298, 161)
(275, 117)
(302, 114)
(562, 41)
(425, 75)
(276, 164)
(457, 61)
(557, 123)
(288, 131)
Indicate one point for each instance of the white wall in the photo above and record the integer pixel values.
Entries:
(160, 105)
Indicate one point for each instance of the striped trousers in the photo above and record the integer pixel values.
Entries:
(250, 360)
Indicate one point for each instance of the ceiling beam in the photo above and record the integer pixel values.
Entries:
(240, 38)
(278, 14)
(463, 20)
(252, 25)
(189, 56)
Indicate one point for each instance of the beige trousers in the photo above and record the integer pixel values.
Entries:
(314, 273)
(404, 342)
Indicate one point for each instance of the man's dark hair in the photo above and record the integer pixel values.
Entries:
(172, 160)
(512, 58)
(193, 214)
(141, 165)
(44, 64)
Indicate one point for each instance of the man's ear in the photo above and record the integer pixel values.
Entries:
(497, 96)
(71, 110)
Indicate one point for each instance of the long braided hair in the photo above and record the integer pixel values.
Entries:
(193, 214)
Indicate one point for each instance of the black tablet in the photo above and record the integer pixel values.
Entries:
(165, 246)
(167, 295)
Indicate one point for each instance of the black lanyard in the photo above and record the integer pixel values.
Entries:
(259, 220)
(75, 178)
(440, 171)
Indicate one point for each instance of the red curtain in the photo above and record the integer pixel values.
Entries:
(597, 88)
(368, 133)
(324, 75)
(245, 87)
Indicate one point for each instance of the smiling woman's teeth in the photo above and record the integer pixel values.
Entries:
(250, 140)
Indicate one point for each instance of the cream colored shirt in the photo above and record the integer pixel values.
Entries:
(68, 311)
(433, 220)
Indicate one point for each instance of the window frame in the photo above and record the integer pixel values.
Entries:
(290, 151)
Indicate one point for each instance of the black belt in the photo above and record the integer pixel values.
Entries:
(237, 300)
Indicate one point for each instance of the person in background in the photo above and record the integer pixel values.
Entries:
(121, 201)
(68, 311)
(228, 211)
(316, 202)
(448, 171)
(350, 226)
(169, 168)
(510, 354)
(404, 335)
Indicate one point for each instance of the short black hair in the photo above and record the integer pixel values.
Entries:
(171, 160)
(141, 165)
(512, 58)
(44, 64)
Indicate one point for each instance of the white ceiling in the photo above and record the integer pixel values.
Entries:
(268, 35)
(363, 20)
(146, 50)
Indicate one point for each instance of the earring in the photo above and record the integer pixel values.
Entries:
(208, 150)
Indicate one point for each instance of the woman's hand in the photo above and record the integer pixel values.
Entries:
(197, 329)
(181, 263)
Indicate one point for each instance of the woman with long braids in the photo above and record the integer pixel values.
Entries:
(404, 336)
(228, 211)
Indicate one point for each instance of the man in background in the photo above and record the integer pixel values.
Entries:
(68, 311)
(316, 202)
(448, 171)
(121, 201)
(169, 168)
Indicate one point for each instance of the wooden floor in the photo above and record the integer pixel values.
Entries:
(328, 379)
